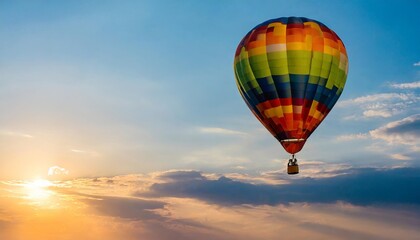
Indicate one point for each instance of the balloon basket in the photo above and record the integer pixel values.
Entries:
(294, 169)
(292, 166)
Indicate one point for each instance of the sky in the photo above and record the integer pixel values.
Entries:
(128, 110)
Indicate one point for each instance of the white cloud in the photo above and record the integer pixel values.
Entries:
(15, 134)
(77, 151)
(401, 135)
(376, 98)
(412, 85)
(350, 137)
(382, 105)
(239, 167)
(56, 170)
(222, 131)
(417, 64)
(351, 117)
(399, 156)
(377, 113)
(308, 169)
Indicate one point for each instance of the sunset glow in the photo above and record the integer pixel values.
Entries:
(37, 190)
(122, 120)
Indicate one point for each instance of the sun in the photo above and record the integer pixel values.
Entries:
(38, 189)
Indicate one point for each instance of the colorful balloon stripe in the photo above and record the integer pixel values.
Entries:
(291, 72)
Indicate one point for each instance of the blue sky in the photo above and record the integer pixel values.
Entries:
(121, 120)
(148, 86)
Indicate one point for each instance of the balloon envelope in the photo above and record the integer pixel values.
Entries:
(290, 72)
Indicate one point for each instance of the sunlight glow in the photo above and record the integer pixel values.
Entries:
(38, 189)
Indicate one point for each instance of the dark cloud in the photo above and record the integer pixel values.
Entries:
(405, 131)
(128, 208)
(156, 226)
(141, 210)
(359, 186)
(91, 214)
(182, 175)
(410, 125)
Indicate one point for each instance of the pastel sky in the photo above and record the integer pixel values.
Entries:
(133, 106)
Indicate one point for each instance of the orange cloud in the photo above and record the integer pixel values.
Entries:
(122, 207)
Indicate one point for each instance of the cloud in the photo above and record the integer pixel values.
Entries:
(349, 137)
(376, 98)
(412, 85)
(71, 215)
(77, 151)
(223, 191)
(239, 167)
(398, 156)
(15, 134)
(382, 105)
(87, 209)
(145, 218)
(417, 64)
(405, 131)
(221, 131)
(190, 205)
(308, 169)
(56, 170)
(357, 186)
(377, 113)
(337, 232)
(401, 135)
(123, 207)
(180, 175)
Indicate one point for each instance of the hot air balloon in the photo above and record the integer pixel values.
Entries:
(290, 72)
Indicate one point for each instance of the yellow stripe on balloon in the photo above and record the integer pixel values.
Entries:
(274, 112)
